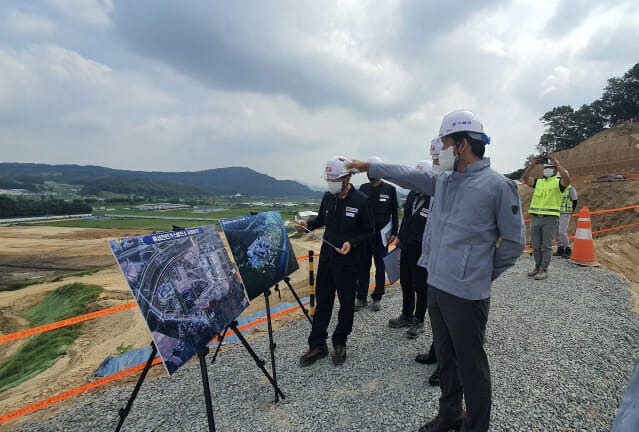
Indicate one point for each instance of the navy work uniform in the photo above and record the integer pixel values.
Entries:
(383, 202)
(412, 275)
(346, 219)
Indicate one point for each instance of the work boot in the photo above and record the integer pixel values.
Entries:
(559, 252)
(313, 354)
(360, 304)
(534, 272)
(428, 358)
(433, 379)
(440, 424)
(339, 355)
(415, 329)
(567, 252)
(400, 321)
(543, 274)
(376, 305)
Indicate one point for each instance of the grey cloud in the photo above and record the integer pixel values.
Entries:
(617, 46)
(569, 15)
(421, 22)
(236, 46)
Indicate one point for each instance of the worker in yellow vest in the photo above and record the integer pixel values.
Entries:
(544, 211)
(568, 207)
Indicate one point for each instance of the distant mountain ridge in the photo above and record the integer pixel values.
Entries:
(218, 181)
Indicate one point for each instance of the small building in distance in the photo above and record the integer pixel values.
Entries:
(163, 206)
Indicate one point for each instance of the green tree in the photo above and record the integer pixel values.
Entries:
(620, 100)
(561, 131)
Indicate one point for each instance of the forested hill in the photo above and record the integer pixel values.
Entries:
(94, 179)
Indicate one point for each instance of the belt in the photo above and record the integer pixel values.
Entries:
(542, 215)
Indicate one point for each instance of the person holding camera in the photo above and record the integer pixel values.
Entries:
(544, 211)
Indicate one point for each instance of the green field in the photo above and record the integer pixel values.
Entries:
(170, 218)
(41, 350)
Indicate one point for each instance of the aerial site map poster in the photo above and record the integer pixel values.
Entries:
(185, 286)
(262, 251)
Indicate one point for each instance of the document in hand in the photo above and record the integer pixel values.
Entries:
(391, 264)
(386, 232)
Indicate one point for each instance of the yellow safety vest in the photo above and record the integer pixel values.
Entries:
(547, 197)
(566, 202)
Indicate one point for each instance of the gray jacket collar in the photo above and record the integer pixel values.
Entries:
(475, 167)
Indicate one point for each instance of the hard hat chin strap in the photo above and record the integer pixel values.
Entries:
(456, 165)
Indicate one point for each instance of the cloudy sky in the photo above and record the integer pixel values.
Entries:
(280, 86)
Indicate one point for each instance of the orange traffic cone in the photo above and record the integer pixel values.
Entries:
(583, 250)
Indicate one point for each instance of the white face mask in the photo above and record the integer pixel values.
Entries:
(446, 160)
(334, 187)
(548, 172)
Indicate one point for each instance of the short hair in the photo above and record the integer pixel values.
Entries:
(476, 146)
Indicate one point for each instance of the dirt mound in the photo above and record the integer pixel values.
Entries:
(33, 252)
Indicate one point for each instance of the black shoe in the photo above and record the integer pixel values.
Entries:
(360, 304)
(559, 252)
(439, 424)
(428, 358)
(567, 252)
(400, 321)
(416, 327)
(313, 354)
(339, 355)
(434, 378)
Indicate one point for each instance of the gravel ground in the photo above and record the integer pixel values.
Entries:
(561, 353)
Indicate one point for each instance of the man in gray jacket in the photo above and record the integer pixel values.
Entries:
(476, 207)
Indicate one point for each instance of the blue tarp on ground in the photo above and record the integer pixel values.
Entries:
(129, 359)
(627, 419)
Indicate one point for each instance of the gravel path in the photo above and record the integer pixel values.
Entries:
(561, 353)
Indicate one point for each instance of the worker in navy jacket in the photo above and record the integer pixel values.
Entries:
(382, 198)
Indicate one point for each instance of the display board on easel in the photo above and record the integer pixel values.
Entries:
(186, 287)
(261, 249)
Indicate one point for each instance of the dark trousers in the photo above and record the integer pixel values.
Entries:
(413, 280)
(377, 252)
(459, 327)
(332, 278)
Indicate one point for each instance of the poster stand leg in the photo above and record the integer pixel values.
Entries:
(220, 339)
(287, 280)
(207, 390)
(124, 412)
(271, 344)
(258, 361)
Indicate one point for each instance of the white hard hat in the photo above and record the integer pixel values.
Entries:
(435, 147)
(463, 121)
(375, 159)
(335, 168)
(424, 165)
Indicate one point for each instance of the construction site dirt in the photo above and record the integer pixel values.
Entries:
(44, 253)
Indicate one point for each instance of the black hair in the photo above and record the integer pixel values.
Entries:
(476, 146)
